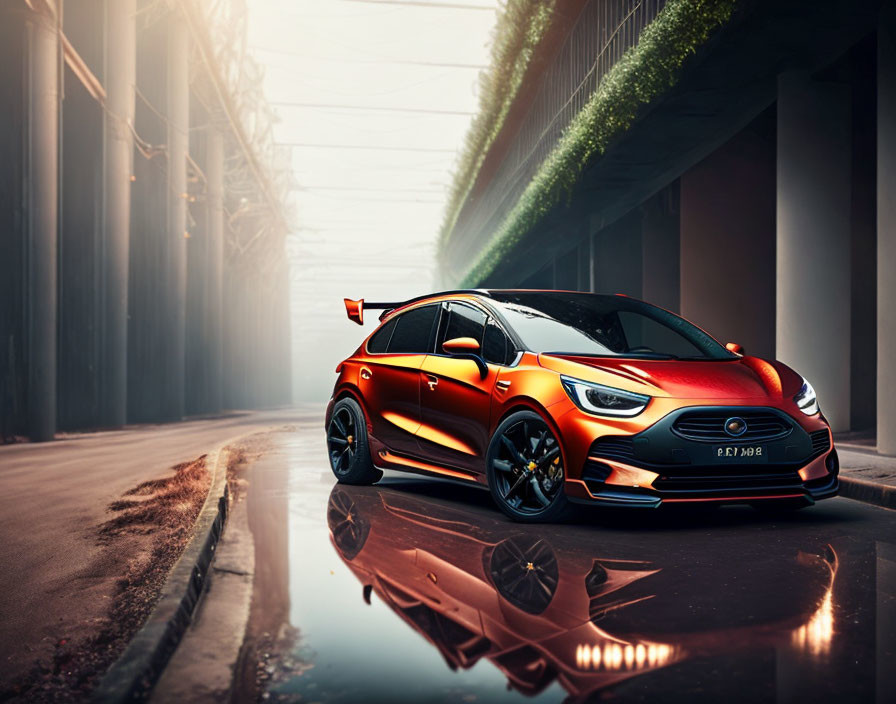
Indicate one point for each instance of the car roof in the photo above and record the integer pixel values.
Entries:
(492, 293)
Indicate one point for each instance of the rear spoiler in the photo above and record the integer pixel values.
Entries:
(355, 309)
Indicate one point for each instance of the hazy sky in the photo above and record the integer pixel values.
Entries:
(368, 217)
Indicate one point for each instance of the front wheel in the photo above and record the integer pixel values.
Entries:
(525, 473)
(347, 445)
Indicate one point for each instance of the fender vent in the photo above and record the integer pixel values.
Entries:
(821, 441)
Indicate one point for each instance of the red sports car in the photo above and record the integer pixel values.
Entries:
(554, 398)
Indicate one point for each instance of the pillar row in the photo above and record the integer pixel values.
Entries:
(121, 77)
(215, 176)
(178, 148)
(43, 180)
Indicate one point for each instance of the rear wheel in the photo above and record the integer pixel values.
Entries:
(524, 465)
(347, 445)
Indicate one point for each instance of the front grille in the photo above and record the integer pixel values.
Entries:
(821, 441)
(709, 426)
(612, 447)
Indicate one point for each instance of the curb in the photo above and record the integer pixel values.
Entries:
(133, 675)
(882, 495)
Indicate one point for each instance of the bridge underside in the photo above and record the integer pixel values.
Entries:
(755, 199)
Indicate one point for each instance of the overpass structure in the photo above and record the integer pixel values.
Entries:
(142, 223)
(731, 160)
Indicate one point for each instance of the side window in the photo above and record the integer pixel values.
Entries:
(463, 321)
(379, 341)
(413, 331)
(495, 345)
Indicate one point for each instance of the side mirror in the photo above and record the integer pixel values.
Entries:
(459, 345)
(736, 348)
(466, 348)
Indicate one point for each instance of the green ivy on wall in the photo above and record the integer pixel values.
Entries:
(518, 31)
(644, 73)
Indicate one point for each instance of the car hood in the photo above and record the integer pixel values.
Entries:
(742, 378)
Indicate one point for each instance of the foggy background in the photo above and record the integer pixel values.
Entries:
(374, 98)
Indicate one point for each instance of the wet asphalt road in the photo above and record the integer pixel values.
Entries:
(416, 590)
(56, 580)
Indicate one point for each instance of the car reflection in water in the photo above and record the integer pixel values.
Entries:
(542, 609)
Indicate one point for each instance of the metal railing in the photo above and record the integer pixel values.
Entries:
(603, 32)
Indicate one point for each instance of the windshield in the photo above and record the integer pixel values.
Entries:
(604, 326)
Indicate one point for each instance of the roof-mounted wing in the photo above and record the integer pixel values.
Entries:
(355, 309)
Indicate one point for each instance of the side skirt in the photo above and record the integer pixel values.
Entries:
(390, 460)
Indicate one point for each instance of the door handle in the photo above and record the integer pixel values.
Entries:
(366, 373)
(433, 381)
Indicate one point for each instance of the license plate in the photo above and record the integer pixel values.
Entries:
(741, 453)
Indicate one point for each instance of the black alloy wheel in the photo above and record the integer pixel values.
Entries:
(525, 469)
(524, 571)
(347, 445)
(348, 527)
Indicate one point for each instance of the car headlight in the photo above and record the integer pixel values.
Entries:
(806, 400)
(604, 400)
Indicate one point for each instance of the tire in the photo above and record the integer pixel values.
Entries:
(347, 446)
(524, 466)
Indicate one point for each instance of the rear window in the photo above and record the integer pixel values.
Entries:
(379, 341)
(413, 331)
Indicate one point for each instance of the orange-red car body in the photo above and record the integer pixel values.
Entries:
(435, 413)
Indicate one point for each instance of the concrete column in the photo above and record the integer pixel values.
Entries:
(178, 146)
(43, 183)
(592, 270)
(813, 237)
(661, 268)
(886, 233)
(121, 77)
(214, 172)
(618, 260)
(727, 239)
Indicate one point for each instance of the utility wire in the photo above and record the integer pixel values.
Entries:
(329, 106)
(420, 3)
(433, 191)
(365, 146)
(377, 62)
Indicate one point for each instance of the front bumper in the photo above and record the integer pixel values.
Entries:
(662, 465)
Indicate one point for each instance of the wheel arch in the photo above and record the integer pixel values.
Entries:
(349, 390)
(527, 403)
(524, 403)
